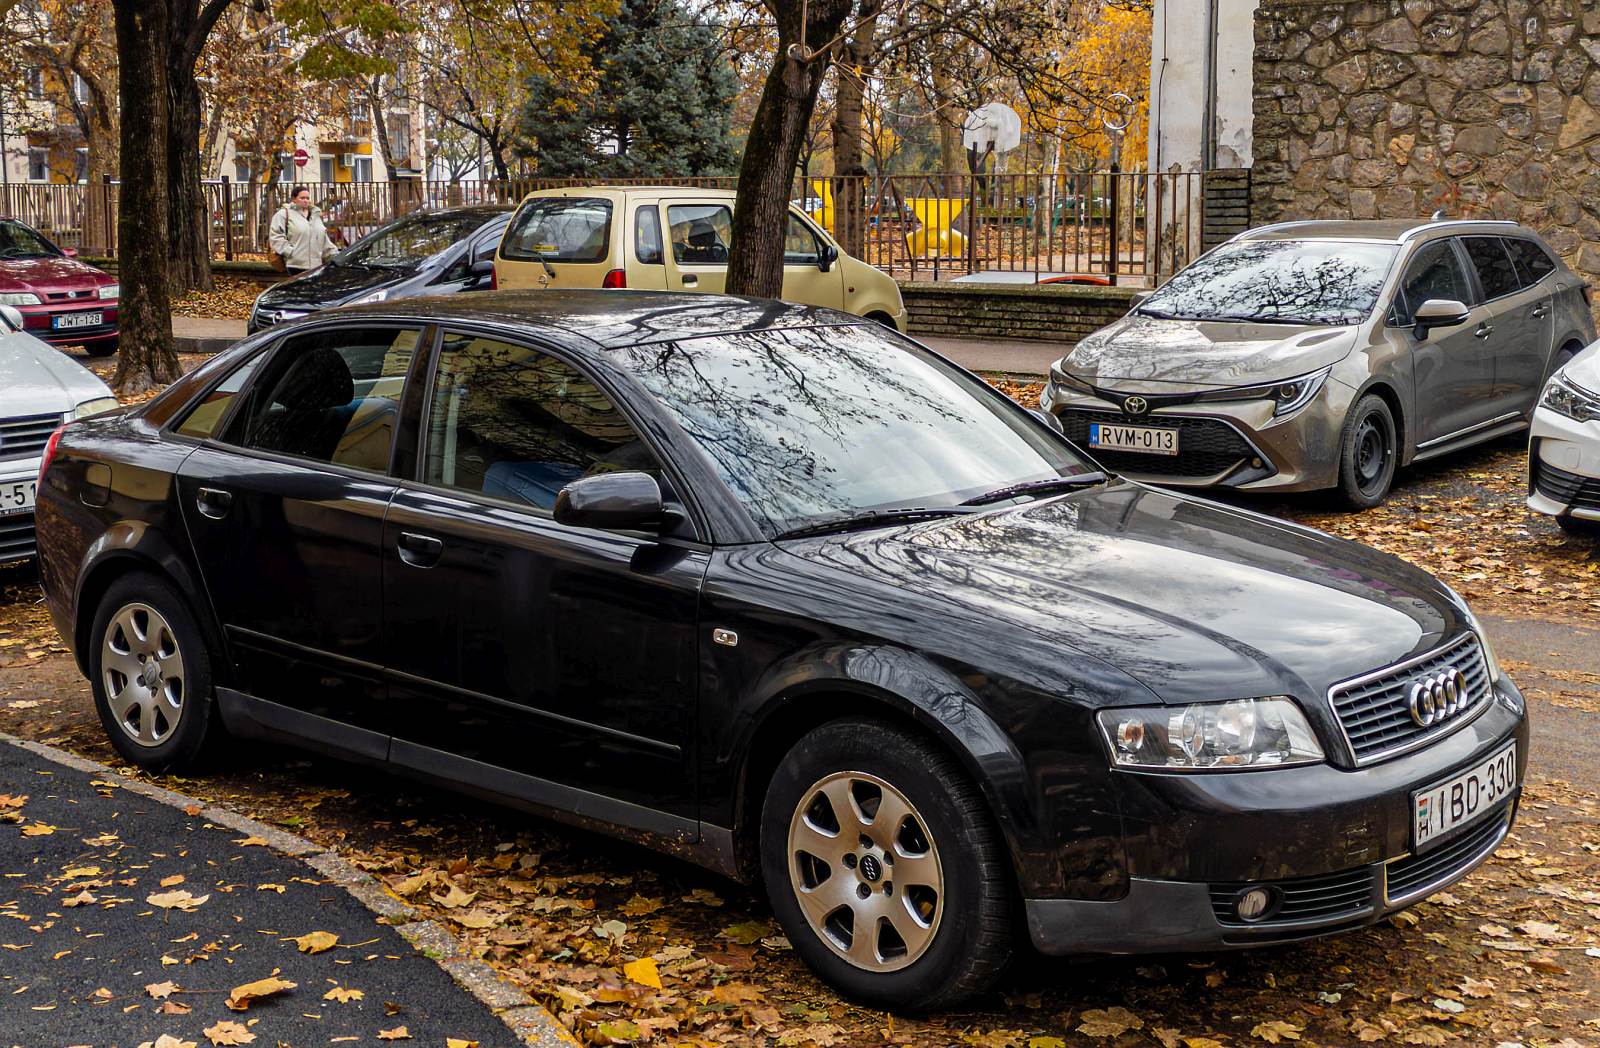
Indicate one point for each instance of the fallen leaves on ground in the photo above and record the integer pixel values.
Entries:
(228, 1032)
(229, 299)
(244, 996)
(399, 1033)
(315, 942)
(178, 900)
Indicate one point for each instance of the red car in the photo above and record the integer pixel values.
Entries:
(62, 301)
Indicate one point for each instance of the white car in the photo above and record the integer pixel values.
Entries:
(40, 388)
(1564, 452)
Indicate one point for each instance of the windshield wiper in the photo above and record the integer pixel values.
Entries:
(1038, 487)
(1156, 313)
(874, 518)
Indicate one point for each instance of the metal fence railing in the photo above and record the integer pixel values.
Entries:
(1098, 226)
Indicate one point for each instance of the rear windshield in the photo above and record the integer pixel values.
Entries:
(409, 242)
(559, 229)
(1278, 282)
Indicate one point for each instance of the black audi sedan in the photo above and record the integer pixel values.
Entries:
(434, 252)
(782, 592)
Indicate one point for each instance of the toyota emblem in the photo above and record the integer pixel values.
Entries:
(1136, 406)
(1435, 698)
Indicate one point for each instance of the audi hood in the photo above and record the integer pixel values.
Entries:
(1142, 354)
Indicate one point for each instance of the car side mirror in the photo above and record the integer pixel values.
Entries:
(626, 501)
(12, 316)
(70, 252)
(827, 257)
(480, 273)
(1438, 312)
(1046, 419)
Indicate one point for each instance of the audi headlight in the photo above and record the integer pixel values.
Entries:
(95, 406)
(1239, 733)
(1287, 397)
(374, 296)
(19, 298)
(1565, 397)
(110, 291)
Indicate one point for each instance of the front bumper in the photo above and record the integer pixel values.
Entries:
(1235, 444)
(17, 536)
(1564, 466)
(1335, 841)
(39, 322)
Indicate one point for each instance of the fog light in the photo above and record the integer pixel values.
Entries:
(1252, 904)
(1256, 463)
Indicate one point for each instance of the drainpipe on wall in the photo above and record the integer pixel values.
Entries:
(1208, 124)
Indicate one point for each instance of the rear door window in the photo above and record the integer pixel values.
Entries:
(1533, 262)
(1496, 273)
(559, 229)
(1433, 272)
(330, 396)
(701, 233)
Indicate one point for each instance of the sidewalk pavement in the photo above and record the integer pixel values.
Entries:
(137, 914)
(1011, 357)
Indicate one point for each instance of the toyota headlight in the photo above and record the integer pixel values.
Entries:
(95, 406)
(19, 298)
(1287, 397)
(110, 291)
(1239, 733)
(1565, 397)
(374, 296)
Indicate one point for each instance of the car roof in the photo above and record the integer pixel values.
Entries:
(621, 192)
(611, 319)
(1382, 230)
(464, 211)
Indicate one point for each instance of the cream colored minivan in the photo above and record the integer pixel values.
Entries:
(670, 238)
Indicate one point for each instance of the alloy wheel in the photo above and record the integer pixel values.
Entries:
(866, 871)
(142, 672)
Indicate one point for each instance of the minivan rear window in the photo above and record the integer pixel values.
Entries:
(559, 229)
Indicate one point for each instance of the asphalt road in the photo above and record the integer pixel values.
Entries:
(76, 972)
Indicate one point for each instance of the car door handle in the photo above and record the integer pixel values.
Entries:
(1484, 330)
(1540, 312)
(213, 502)
(690, 280)
(419, 551)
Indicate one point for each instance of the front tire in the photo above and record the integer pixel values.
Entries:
(1368, 453)
(102, 348)
(151, 675)
(1580, 529)
(884, 868)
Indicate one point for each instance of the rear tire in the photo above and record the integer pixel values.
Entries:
(1368, 453)
(930, 888)
(151, 675)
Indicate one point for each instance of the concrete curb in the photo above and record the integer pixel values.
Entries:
(530, 1021)
(201, 344)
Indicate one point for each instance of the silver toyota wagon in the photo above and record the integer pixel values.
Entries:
(1325, 354)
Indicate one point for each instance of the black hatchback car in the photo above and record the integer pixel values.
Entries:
(434, 252)
(780, 591)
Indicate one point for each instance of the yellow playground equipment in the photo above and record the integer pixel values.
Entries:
(934, 238)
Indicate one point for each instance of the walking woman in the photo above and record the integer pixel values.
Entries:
(297, 236)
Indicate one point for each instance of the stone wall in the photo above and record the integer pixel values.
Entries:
(1049, 313)
(1395, 108)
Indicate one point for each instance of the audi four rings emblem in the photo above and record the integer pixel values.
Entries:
(1442, 695)
(1135, 406)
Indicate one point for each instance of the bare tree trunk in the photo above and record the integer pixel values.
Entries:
(777, 134)
(856, 56)
(952, 158)
(190, 222)
(145, 355)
